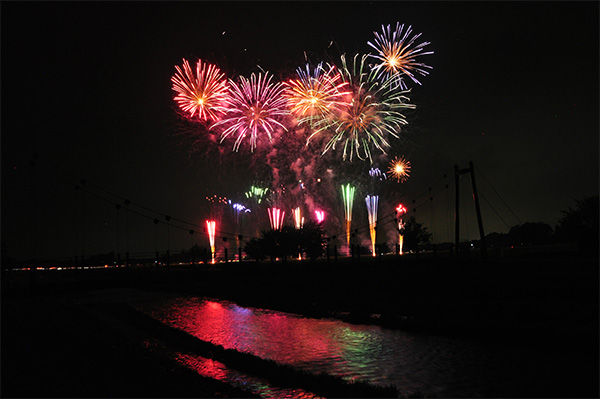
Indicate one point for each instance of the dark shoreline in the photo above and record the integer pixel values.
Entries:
(533, 302)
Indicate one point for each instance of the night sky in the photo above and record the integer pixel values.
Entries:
(86, 86)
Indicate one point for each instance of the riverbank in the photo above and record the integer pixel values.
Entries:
(550, 305)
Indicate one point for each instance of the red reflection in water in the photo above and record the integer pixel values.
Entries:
(269, 335)
(278, 336)
(205, 367)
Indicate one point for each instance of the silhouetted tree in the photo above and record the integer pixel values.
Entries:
(530, 233)
(415, 235)
(288, 242)
(255, 249)
(311, 240)
(580, 225)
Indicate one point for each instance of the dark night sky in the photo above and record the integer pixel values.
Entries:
(514, 88)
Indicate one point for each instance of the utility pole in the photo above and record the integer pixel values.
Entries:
(478, 210)
(456, 211)
(457, 173)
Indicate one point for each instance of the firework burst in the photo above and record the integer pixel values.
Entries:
(254, 106)
(312, 96)
(370, 113)
(202, 92)
(397, 53)
(399, 169)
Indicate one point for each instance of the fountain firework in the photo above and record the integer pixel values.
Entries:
(348, 198)
(239, 210)
(276, 218)
(320, 215)
(372, 204)
(400, 210)
(211, 226)
(298, 219)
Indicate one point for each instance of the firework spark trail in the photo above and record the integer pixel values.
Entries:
(254, 106)
(398, 56)
(211, 228)
(201, 93)
(298, 219)
(320, 215)
(372, 204)
(312, 96)
(348, 198)
(400, 210)
(276, 218)
(371, 112)
(399, 169)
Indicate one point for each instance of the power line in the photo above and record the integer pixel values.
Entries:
(499, 196)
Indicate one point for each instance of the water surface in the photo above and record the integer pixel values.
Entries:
(415, 363)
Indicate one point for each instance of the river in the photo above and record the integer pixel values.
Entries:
(415, 363)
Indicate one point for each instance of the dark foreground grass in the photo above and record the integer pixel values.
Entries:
(53, 349)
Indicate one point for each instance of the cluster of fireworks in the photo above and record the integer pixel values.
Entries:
(355, 106)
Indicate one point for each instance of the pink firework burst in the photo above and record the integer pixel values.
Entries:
(200, 92)
(397, 53)
(254, 106)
